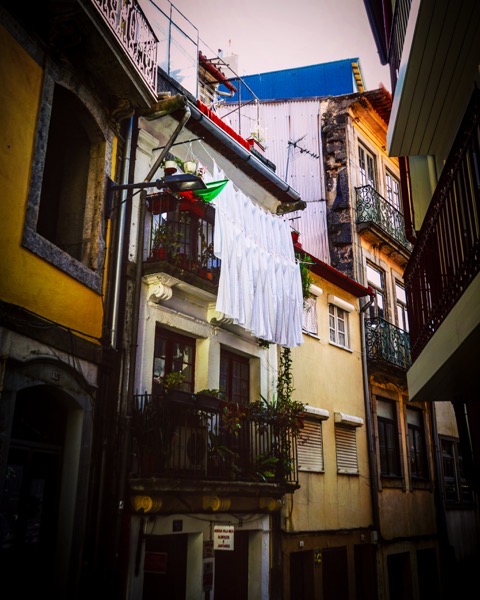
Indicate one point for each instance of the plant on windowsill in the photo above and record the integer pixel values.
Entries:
(209, 398)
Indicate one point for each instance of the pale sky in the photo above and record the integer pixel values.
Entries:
(269, 35)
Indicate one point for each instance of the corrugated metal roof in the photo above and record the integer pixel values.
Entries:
(326, 79)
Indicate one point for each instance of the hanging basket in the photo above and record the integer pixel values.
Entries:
(170, 167)
(189, 166)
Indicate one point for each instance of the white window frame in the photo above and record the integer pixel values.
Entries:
(367, 166)
(338, 314)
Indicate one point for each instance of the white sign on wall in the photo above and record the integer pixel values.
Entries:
(223, 536)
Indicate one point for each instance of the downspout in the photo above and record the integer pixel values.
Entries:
(121, 237)
(139, 257)
(132, 356)
(368, 418)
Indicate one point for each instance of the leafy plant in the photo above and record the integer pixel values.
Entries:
(214, 392)
(165, 237)
(307, 279)
(172, 380)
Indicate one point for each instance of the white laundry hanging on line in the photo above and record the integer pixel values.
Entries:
(260, 285)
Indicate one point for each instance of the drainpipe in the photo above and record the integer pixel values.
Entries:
(121, 238)
(368, 417)
(167, 106)
(139, 257)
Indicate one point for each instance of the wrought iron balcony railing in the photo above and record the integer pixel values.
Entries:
(182, 235)
(446, 257)
(387, 343)
(186, 437)
(373, 208)
(154, 37)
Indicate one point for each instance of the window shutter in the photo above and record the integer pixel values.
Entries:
(346, 443)
(310, 447)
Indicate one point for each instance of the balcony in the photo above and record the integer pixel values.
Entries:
(154, 37)
(194, 439)
(446, 258)
(387, 345)
(381, 223)
(181, 240)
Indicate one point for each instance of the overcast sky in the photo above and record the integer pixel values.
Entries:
(269, 35)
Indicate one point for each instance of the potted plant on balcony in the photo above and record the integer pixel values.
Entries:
(190, 166)
(207, 257)
(209, 398)
(166, 242)
(174, 389)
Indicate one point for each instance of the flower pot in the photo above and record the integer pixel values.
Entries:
(170, 167)
(189, 166)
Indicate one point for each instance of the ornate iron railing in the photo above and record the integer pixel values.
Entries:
(186, 437)
(373, 208)
(132, 29)
(446, 257)
(387, 343)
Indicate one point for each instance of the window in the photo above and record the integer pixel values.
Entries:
(64, 217)
(346, 447)
(388, 439)
(376, 280)
(235, 377)
(366, 162)
(173, 352)
(338, 323)
(309, 318)
(455, 486)
(401, 301)
(310, 441)
(346, 442)
(392, 185)
(416, 444)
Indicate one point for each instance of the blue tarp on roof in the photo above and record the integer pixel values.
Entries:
(326, 79)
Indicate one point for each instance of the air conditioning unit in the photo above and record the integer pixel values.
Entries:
(189, 450)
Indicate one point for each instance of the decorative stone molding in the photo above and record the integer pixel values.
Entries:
(219, 318)
(160, 287)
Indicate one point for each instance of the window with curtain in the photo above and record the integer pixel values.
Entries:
(401, 302)
(392, 186)
(235, 376)
(376, 280)
(338, 324)
(388, 439)
(309, 318)
(173, 352)
(416, 444)
(366, 161)
(457, 491)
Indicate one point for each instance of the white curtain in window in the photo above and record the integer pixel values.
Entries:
(260, 283)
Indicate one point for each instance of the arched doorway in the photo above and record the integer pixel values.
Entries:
(31, 496)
